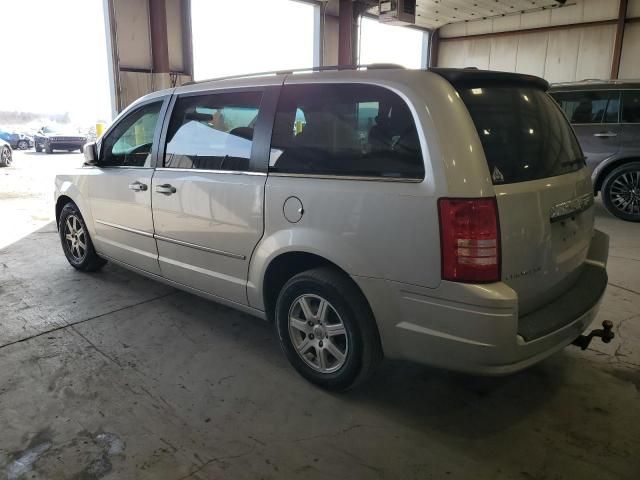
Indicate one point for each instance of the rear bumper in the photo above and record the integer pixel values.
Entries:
(476, 328)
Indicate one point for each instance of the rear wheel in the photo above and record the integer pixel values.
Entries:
(5, 157)
(326, 329)
(76, 242)
(621, 192)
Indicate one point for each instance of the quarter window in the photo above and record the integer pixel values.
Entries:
(345, 129)
(212, 132)
(631, 106)
(129, 143)
(589, 107)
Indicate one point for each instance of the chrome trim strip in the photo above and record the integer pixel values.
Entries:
(570, 207)
(200, 170)
(126, 229)
(199, 247)
(346, 177)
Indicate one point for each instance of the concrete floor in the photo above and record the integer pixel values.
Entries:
(113, 376)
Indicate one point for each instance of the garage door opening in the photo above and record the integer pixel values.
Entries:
(249, 36)
(380, 43)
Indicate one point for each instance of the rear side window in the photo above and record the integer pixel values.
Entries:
(631, 106)
(523, 132)
(212, 132)
(345, 129)
(582, 107)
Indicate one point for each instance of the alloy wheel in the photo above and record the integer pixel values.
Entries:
(6, 156)
(318, 333)
(75, 238)
(625, 193)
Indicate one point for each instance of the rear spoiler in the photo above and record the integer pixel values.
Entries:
(472, 77)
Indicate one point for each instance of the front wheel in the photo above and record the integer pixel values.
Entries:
(23, 145)
(76, 242)
(47, 148)
(621, 192)
(327, 330)
(6, 157)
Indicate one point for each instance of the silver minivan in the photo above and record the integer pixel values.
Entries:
(441, 216)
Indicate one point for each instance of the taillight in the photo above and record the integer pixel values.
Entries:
(469, 239)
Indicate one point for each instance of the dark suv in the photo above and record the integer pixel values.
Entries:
(606, 118)
(50, 139)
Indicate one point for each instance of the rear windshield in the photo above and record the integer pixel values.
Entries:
(523, 132)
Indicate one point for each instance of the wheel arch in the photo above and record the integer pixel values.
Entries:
(609, 167)
(60, 203)
(287, 264)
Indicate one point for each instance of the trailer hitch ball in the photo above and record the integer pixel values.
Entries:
(605, 333)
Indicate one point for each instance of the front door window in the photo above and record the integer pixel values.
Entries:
(129, 143)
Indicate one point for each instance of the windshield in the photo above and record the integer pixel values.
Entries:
(523, 132)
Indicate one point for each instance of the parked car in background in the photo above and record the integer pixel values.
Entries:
(606, 118)
(19, 141)
(368, 229)
(49, 139)
(6, 154)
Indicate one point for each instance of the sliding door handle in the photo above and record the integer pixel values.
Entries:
(166, 189)
(605, 134)
(138, 187)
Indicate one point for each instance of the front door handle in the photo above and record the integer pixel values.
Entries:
(166, 189)
(138, 187)
(605, 134)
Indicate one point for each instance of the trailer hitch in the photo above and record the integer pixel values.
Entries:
(605, 333)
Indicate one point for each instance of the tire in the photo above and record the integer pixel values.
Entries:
(23, 145)
(38, 149)
(6, 157)
(621, 192)
(69, 226)
(346, 310)
(48, 149)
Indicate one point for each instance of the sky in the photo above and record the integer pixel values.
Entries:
(55, 58)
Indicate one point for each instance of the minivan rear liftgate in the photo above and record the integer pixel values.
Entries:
(549, 253)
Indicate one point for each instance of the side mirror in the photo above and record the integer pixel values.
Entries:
(90, 154)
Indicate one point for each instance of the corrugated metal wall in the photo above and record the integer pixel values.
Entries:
(557, 55)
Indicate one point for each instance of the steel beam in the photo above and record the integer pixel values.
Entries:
(345, 33)
(617, 47)
(159, 41)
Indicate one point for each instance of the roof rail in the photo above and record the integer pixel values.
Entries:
(372, 66)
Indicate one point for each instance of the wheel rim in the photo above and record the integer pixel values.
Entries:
(75, 238)
(625, 193)
(318, 333)
(6, 156)
(22, 145)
